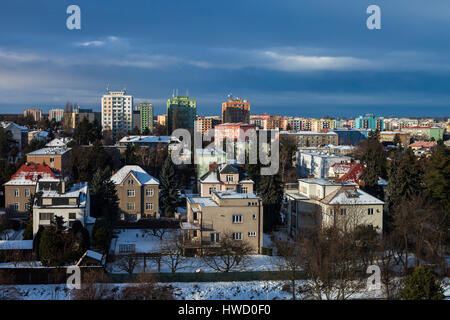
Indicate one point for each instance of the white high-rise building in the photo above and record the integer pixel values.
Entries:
(117, 112)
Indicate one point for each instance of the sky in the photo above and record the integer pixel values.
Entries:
(302, 58)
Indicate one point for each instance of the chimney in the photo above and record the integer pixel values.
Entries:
(310, 176)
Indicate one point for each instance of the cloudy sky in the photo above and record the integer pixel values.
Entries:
(305, 58)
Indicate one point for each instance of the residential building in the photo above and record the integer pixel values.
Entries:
(38, 135)
(145, 116)
(56, 114)
(59, 159)
(369, 121)
(35, 113)
(21, 186)
(313, 139)
(324, 203)
(235, 110)
(53, 199)
(181, 113)
(209, 218)
(347, 172)
(19, 133)
(317, 164)
(389, 136)
(162, 119)
(117, 112)
(204, 158)
(225, 177)
(204, 124)
(231, 131)
(138, 193)
(79, 114)
(59, 142)
(349, 136)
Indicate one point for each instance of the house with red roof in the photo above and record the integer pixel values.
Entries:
(348, 172)
(22, 185)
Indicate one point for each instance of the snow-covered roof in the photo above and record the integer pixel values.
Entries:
(59, 142)
(16, 244)
(148, 139)
(5, 125)
(78, 190)
(203, 201)
(140, 174)
(30, 174)
(49, 151)
(350, 196)
(231, 194)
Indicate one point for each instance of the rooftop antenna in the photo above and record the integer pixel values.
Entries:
(187, 92)
(125, 89)
(108, 89)
(173, 93)
(177, 92)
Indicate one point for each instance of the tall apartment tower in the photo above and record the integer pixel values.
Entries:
(235, 110)
(35, 113)
(369, 121)
(181, 113)
(117, 112)
(146, 116)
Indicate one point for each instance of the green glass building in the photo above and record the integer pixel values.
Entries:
(181, 113)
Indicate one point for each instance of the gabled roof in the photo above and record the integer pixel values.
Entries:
(140, 174)
(348, 195)
(31, 173)
(354, 173)
(213, 175)
(59, 142)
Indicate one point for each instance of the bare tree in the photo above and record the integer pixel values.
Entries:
(289, 255)
(93, 287)
(229, 255)
(127, 262)
(386, 260)
(147, 288)
(172, 249)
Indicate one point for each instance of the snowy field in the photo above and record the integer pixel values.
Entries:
(241, 290)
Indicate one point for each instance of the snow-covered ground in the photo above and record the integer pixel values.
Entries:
(240, 290)
(145, 242)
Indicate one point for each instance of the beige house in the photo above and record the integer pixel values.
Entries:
(59, 159)
(138, 193)
(22, 184)
(225, 177)
(240, 214)
(321, 202)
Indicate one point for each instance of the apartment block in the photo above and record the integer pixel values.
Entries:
(117, 112)
(181, 113)
(145, 116)
(235, 110)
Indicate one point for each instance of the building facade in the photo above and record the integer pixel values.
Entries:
(56, 114)
(35, 113)
(235, 110)
(369, 121)
(117, 112)
(145, 116)
(181, 113)
(225, 212)
(58, 159)
(138, 193)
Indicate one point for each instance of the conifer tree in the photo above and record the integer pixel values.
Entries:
(169, 188)
(272, 196)
(421, 285)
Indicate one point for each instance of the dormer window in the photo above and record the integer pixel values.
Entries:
(130, 181)
(229, 178)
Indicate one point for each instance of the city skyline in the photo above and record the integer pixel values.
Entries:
(307, 59)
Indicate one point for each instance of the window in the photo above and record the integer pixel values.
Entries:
(52, 160)
(195, 216)
(45, 216)
(27, 206)
(254, 216)
(237, 218)
(212, 189)
(16, 192)
(253, 203)
(130, 206)
(229, 178)
(194, 233)
(27, 192)
(149, 192)
(244, 190)
(149, 206)
(72, 215)
(130, 181)
(16, 207)
(237, 235)
(215, 236)
(343, 212)
(127, 248)
(252, 234)
(370, 211)
(131, 193)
